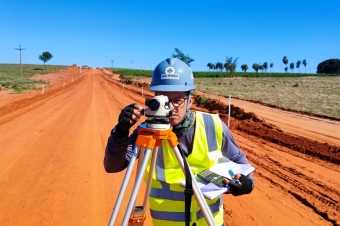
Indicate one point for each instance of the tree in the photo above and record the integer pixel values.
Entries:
(256, 67)
(45, 56)
(210, 66)
(285, 61)
(232, 68)
(265, 66)
(230, 65)
(291, 66)
(304, 62)
(214, 67)
(244, 67)
(261, 67)
(298, 65)
(180, 55)
(331, 66)
(286, 69)
(226, 65)
(219, 66)
(271, 66)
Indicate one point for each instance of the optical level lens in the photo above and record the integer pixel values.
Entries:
(153, 104)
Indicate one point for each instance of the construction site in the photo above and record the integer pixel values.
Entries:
(52, 148)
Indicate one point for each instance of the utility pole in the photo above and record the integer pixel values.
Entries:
(112, 63)
(20, 59)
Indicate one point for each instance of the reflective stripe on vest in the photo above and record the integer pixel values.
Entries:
(167, 196)
(180, 217)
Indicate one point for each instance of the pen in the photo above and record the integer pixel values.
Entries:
(232, 174)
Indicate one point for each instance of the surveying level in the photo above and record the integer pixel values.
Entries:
(150, 137)
(158, 112)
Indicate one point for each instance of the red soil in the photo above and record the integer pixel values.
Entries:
(52, 148)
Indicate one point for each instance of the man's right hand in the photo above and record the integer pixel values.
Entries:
(127, 118)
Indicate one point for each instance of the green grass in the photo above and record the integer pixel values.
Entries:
(10, 78)
(314, 94)
(133, 73)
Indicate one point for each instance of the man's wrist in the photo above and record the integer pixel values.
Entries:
(118, 133)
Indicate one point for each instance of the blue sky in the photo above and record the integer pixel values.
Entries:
(147, 31)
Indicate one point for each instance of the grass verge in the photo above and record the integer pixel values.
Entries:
(17, 79)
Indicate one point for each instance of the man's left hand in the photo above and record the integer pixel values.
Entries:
(244, 187)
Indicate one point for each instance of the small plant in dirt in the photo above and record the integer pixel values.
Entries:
(204, 99)
(144, 84)
(126, 80)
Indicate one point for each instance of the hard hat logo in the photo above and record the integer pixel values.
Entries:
(169, 70)
(170, 74)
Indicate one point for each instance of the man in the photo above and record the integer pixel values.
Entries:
(202, 136)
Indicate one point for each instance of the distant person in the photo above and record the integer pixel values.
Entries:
(202, 137)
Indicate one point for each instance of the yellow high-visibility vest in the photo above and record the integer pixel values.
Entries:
(166, 198)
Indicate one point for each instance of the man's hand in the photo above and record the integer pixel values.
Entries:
(127, 118)
(240, 185)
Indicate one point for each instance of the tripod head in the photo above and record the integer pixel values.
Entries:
(158, 112)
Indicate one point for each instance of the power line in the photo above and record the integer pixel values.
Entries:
(20, 59)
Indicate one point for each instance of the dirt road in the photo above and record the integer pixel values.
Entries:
(52, 148)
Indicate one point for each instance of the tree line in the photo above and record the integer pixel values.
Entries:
(230, 65)
(291, 66)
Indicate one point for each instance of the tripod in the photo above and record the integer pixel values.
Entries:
(151, 139)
